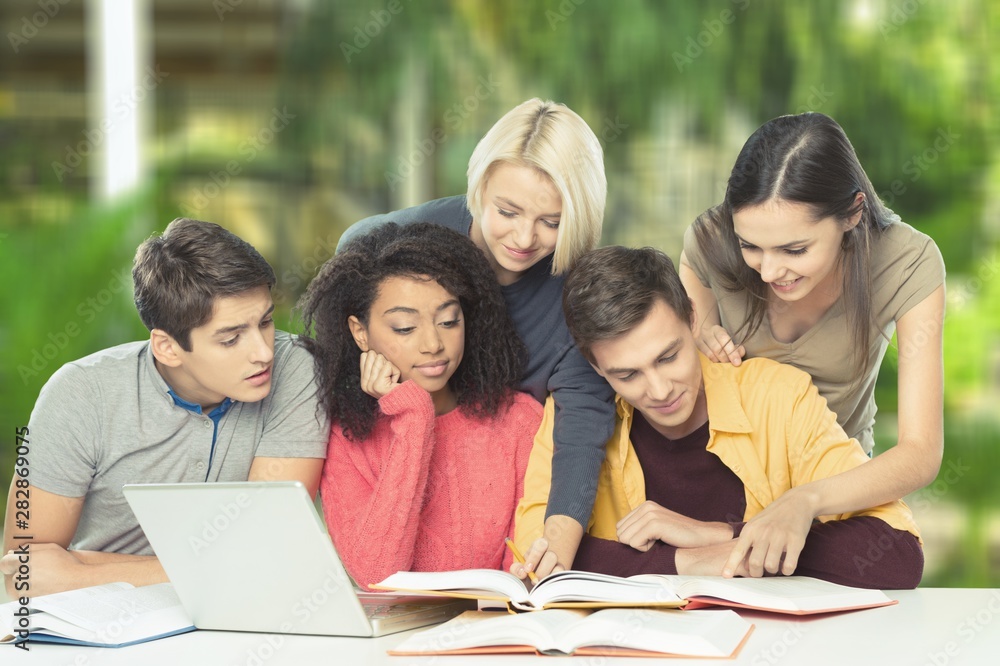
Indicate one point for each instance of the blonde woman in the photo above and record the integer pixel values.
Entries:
(534, 205)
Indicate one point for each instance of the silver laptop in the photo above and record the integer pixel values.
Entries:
(256, 556)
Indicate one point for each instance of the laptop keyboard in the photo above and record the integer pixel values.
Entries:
(383, 611)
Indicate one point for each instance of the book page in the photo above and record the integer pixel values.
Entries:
(716, 633)
(84, 607)
(559, 631)
(95, 607)
(478, 583)
(487, 628)
(593, 587)
(43, 622)
(111, 616)
(788, 593)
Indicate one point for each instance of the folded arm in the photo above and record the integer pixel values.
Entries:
(40, 562)
(862, 552)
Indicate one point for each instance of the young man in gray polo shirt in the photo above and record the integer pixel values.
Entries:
(215, 394)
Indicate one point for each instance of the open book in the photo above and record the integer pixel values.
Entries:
(564, 589)
(112, 615)
(612, 632)
(797, 595)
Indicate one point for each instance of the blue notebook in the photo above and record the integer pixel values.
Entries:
(112, 615)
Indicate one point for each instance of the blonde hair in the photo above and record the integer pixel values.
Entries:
(553, 139)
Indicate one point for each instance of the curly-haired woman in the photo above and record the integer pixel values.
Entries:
(418, 365)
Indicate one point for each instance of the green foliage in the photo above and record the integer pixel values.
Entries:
(967, 478)
(915, 93)
(972, 331)
(68, 293)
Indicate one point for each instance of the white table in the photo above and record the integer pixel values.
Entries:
(929, 627)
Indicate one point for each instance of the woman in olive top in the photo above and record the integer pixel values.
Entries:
(802, 263)
(535, 203)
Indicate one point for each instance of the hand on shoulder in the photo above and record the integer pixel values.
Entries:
(717, 344)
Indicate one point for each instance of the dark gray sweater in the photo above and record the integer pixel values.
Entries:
(585, 411)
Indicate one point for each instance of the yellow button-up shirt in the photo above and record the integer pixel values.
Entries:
(767, 423)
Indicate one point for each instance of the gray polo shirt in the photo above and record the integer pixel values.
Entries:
(107, 420)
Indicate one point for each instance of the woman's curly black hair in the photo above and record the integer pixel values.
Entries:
(348, 284)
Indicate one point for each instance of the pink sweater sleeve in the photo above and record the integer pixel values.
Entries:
(372, 491)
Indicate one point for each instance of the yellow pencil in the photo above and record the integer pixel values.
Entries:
(519, 557)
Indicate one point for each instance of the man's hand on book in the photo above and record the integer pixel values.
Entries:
(650, 522)
(772, 540)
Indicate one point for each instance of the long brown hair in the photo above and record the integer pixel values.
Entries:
(805, 158)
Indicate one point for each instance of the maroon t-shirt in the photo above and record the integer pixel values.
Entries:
(683, 476)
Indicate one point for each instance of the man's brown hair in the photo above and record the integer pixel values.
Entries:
(179, 274)
(611, 290)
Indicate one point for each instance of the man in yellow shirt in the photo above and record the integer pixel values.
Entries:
(699, 448)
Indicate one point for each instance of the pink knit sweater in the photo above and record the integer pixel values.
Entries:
(427, 493)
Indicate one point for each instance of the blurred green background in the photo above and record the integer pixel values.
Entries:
(287, 121)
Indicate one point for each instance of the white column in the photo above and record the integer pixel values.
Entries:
(120, 87)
